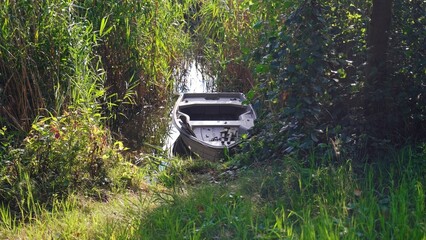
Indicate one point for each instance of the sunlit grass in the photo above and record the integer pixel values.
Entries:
(114, 214)
(209, 211)
(79, 217)
(277, 200)
(70, 56)
(299, 202)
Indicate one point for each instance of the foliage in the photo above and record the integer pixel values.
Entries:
(407, 55)
(5, 141)
(77, 218)
(143, 45)
(34, 43)
(61, 155)
(311, 91)
(89, 63)
(83, 64)
(300, 200)
(54, 53)
(292, 82)
(209, 213)
(289, 198)
(222, 35)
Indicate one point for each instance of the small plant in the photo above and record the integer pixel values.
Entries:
(65, 154)
(5, 142)
(69, 152)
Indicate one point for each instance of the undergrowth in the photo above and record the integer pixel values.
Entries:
(300, 200)
(90, 63)
(286, 199)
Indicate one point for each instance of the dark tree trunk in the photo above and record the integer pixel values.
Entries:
(378, 87)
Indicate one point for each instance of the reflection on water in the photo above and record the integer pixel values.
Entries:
(152, 123)
(147, 125)
(194, 80)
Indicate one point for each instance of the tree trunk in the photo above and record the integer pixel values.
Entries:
(378, 97)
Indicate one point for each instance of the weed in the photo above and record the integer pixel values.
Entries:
(221, 34)
(327, 201)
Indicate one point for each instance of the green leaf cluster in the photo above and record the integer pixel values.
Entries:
(311, 91)
(61, 155)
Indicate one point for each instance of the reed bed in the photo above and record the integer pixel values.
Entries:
(53, 51)
(71, 72)
(223, 35)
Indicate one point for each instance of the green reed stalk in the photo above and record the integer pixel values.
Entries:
(224, 34)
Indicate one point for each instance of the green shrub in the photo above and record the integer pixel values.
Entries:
(70, 153)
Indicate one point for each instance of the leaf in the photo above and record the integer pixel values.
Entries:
(103, 25)
(3, 130)
(258, 24)
(310, 60)
(289, 149)
(250, 95)
(342, 73)
(119, 145)
(322, 145)
(261, 68)
(284, 128)
(102, 30)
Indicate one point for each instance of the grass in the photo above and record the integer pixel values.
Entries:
(290, 200)
(314, 202)
(279, 200)
(77, 218)
(94, 60)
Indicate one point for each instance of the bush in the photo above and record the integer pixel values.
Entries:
(61, 155)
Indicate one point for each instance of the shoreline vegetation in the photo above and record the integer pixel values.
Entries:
(338, 150)
(192, 199)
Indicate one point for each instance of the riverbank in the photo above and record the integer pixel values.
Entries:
(194, 199)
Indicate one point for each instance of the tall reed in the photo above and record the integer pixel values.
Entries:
(49, 51)
(146, 41)
(72, 68)
(46, 58)
(142, 44)
(224, 35)
(27, 57)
